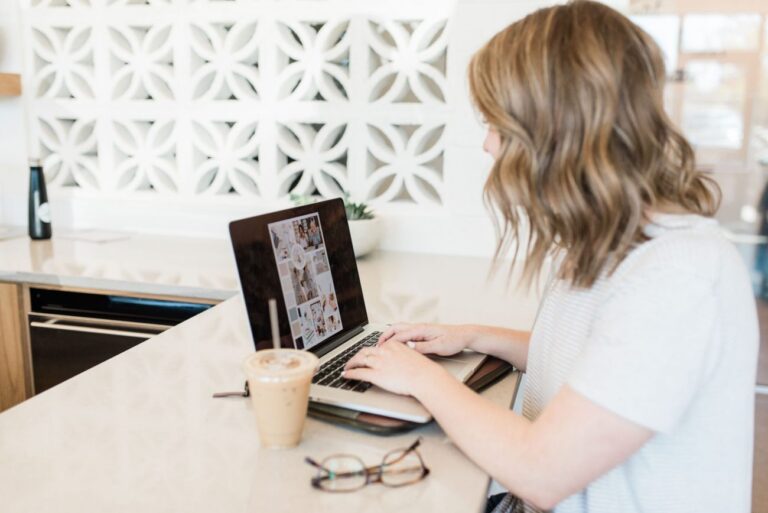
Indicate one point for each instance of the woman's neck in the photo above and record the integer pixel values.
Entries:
(669, 209)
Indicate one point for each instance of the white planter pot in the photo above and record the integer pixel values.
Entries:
(365, 235)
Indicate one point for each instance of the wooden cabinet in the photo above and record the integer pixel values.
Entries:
(36, 321)
(760, 476)
(762, 362)
(15, 385)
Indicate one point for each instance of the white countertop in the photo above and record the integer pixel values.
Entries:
(147, 264)
(397, 286)
(141, 433)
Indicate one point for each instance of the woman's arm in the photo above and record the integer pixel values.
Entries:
(507, 344)
(571, 444)
(444, 339)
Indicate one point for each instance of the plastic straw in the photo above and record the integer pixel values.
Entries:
(273, 323)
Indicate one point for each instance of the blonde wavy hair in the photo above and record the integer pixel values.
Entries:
(575, 93)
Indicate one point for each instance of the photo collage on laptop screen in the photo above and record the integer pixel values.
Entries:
(305, 277)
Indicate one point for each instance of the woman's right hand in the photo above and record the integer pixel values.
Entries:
(438, 339)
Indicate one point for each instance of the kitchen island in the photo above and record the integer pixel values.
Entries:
(141, 431)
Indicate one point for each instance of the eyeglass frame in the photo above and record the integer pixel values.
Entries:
(372, 474)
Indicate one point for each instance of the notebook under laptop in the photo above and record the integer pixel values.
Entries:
(304, 258)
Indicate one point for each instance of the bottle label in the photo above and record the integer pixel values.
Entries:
(45, 213)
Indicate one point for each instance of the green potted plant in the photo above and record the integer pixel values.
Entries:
(364, 226)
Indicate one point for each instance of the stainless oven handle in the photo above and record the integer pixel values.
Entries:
(96, 320)
(86, 329)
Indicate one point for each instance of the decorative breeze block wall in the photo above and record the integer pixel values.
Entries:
(241, 99)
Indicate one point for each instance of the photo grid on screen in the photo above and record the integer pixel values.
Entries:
(305, 277)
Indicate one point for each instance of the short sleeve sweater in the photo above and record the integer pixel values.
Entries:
(668, 341)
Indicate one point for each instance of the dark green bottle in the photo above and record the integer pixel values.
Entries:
(39, 209)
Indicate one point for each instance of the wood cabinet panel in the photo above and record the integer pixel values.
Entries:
(13, 352)
(762, 366)
(762, 363)
(10, 84)
(760, 476)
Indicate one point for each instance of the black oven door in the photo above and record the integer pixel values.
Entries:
(63, 348)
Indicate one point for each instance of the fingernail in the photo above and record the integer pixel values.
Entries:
(411, 344)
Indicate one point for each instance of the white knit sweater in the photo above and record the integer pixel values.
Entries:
(669, 341)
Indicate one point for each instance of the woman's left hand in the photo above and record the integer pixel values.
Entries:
(393, 366)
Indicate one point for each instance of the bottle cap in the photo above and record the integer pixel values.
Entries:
(34, 162)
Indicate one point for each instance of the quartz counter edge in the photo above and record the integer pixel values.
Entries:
(109, 285)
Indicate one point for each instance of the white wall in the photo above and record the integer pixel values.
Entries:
(13, 154)
(85, 175)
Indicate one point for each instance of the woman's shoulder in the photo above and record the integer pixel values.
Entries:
(689, 244)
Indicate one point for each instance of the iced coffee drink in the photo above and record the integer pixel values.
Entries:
(279, 381)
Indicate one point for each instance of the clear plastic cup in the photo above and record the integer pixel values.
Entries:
(279, 381)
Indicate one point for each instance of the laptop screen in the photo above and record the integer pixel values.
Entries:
(302, 257)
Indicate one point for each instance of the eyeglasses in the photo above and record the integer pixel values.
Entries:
(347, 473)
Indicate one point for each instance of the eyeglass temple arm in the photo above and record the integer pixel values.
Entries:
(315, 464)
(410, 449)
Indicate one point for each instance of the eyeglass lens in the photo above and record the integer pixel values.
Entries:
(401, 467)
(345, 473)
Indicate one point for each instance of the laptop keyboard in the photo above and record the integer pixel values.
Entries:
(329, 374)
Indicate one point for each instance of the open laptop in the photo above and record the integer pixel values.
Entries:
(303, 257)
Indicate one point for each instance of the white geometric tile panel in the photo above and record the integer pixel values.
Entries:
(239, 99)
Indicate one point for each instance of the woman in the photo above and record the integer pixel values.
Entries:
(641, 364)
